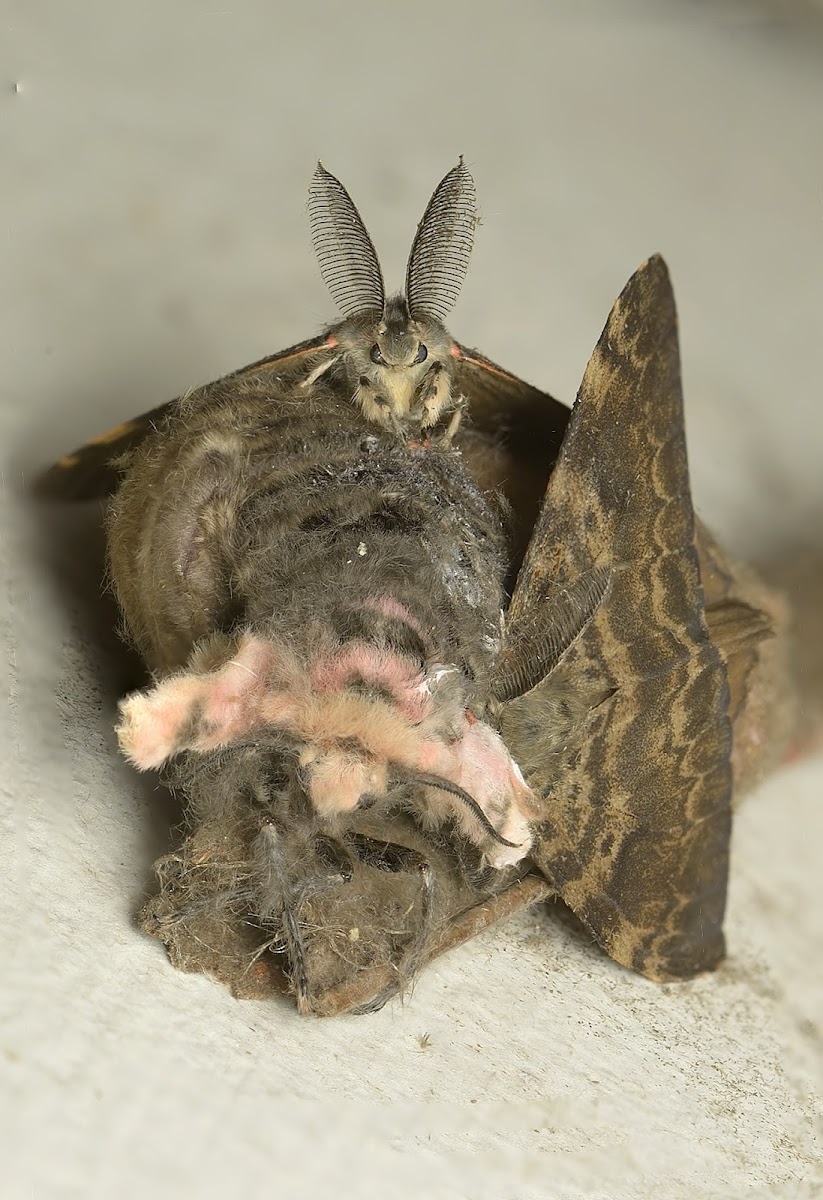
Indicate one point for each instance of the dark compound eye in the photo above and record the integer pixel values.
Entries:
(422, 354)
(375, 355)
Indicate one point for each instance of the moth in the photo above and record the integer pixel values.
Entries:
(376, 764)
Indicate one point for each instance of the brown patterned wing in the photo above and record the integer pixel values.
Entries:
(627, 740)
(91, 469)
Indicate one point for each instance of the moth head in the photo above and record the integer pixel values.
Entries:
(399, 343)
(392, 343)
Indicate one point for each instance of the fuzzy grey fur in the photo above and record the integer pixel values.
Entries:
(262, 508)
(251, 505)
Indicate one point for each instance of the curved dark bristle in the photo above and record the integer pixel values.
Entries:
(445, 785)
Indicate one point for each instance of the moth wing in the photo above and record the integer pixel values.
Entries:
(512, 437)
(628, 739)
(501, 403)
(91, 470)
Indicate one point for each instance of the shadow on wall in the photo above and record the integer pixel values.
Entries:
(69, 545)
(797, 570)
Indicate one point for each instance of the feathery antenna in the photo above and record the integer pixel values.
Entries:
(347, 258)
(440, 252)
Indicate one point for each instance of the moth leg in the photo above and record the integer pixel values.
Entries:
(435, 395)
(451, 429)
(314, 375)
(374, 405)
(283, 886)
(276, 905)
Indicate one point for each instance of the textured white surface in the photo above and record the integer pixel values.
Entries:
(155, 159)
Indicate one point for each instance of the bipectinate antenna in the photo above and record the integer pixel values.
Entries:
(347, 258)
(440, 252)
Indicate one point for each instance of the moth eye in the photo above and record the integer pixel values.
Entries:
(422, 354)
(375, 355)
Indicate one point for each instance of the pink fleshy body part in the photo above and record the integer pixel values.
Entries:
(259, 688)
(399, 677)
(390, 606)
(196, 712)
(151, 723)
(336, 781)
(480, 764)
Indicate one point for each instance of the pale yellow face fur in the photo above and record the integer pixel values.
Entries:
(401, 370)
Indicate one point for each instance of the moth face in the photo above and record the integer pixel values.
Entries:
(400, 360)
(393, 361)
(399, 346)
